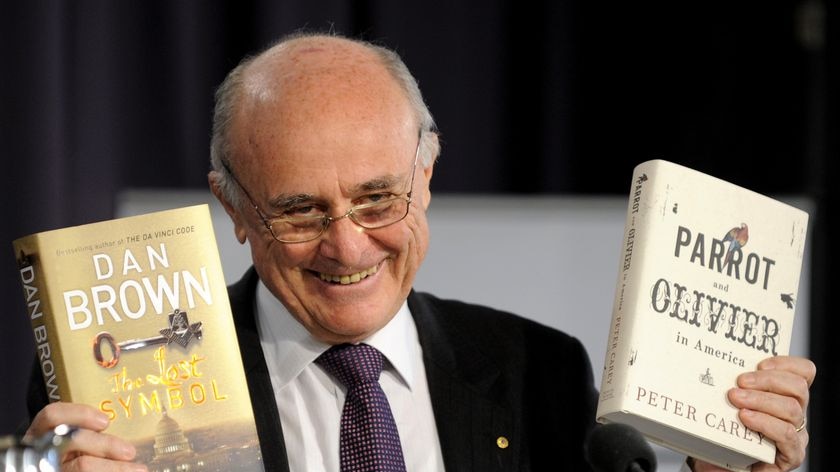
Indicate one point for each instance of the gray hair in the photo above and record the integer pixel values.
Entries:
(228, 95)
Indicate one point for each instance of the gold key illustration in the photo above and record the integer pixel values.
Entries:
(180, 332)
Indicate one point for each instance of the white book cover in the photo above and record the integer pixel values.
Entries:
(707, 288)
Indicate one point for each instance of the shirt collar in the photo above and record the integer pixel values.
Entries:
(295, 349)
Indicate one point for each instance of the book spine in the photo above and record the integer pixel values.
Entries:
(620, 356)
(41, 315)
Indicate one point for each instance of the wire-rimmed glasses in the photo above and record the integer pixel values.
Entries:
(374, 214)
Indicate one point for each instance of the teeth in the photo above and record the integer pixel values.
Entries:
(348, 279)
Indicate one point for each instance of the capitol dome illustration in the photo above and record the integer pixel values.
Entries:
(208, 448)
(173, 452)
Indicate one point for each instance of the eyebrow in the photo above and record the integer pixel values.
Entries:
(379, 183)
(285, 201)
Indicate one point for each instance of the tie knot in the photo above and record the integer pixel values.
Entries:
(352, 364)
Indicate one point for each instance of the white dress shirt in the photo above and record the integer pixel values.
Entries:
(310, 400)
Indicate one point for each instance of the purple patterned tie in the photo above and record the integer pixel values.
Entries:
(369, 440)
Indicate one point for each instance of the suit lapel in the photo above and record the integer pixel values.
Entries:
(466, 389)
(267, 417)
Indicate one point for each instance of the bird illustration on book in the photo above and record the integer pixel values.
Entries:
(737, 238)
(787, 298)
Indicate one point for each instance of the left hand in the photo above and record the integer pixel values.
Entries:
(773, 401)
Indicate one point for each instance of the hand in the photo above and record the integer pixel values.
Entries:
(774, 402)
(90, 448)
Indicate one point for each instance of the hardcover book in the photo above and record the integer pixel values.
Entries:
(707, 288)
(132, 316)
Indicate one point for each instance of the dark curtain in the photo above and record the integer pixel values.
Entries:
(549, 96)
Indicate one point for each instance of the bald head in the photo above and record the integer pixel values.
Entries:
(315, 82)
(314, 68)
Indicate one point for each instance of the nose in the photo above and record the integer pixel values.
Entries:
(343, 241)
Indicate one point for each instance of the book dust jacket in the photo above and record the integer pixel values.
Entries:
(707, 288)
(132, 316)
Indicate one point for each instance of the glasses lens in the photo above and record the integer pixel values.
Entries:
(370, 215)
(298, 229)
(379, 214)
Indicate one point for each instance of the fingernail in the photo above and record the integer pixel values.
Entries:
(747, 380)
(739, 394)
(128, 451)
(767, 365)
(102, 421)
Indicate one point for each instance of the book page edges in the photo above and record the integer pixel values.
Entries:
(619, 344)
(698, 447)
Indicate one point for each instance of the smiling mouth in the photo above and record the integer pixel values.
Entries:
(348, 279)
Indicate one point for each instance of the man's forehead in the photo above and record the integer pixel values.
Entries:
(304, 163)
(356, 163)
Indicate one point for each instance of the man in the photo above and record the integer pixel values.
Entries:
(322, 155)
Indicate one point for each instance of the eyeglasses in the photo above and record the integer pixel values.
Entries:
(307, 222)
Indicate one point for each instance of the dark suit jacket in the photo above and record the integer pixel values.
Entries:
(491, 374)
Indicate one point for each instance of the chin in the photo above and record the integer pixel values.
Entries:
(350, 332)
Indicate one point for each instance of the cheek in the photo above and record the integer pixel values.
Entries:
(271, 257)
(417, 235)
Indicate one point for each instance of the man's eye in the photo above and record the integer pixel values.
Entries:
(306, 210)
(374, 198)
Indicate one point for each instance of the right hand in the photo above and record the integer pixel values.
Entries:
(90, 448)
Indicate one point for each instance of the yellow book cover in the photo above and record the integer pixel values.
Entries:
(132, 316)
(707, 288)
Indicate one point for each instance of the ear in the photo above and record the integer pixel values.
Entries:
(426, 191)
(239, 228)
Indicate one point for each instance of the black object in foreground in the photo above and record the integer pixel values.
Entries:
(617, 447)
